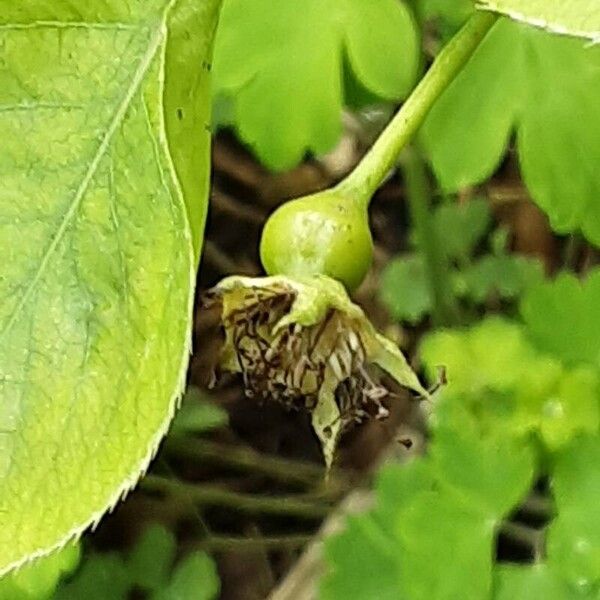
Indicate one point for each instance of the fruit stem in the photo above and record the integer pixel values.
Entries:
(445, 307)
(368, 175)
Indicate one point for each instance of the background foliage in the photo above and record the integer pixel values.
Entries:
(513, 455)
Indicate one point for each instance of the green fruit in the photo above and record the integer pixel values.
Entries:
(321, 234)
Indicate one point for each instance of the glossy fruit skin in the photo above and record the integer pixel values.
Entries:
(321, 234)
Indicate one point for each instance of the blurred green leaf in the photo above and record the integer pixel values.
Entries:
(529, 582)
(445, 549)
(364, 559)
(494, 354)
(576, 472)
(558, 403)
(497, 380)
(148, 567)
(363, 562)
(505, 275)
(101, 577)
(460, 227)
(490, 473)
(404, 289)
(574, 536)
(522, 79)
(397, 485)
(387, 553)
(38, 579)
(563, 317)
(150, 560)
(404, 286)
(286, 105)
(576, 17)
(451, 13)
(195, 578)
(198, 414)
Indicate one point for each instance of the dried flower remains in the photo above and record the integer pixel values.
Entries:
(305, 345)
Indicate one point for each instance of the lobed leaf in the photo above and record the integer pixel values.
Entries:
(98, 265)
(284, 105)
(558, 403)
(530, 78)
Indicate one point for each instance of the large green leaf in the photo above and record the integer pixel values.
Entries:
(97, 269)
(187, 103)
(573, 17)
(281, 65)
(524, 79)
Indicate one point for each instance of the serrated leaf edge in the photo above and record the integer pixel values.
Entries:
(131, 481)
(515, 15)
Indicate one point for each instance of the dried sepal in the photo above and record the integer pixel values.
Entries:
(304, 344)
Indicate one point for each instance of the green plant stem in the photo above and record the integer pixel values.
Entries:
(212, 496)
(362, 182)
(445, 307)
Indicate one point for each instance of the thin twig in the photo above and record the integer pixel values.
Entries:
(572, 251)
(253, 544)
(279, 468)
(223, 262)
(213, 496)
(232, 206)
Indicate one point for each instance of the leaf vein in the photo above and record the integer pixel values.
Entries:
(116, 26)
(33, 106)
(113, 125)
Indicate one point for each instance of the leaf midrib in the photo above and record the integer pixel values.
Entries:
(118, 116)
